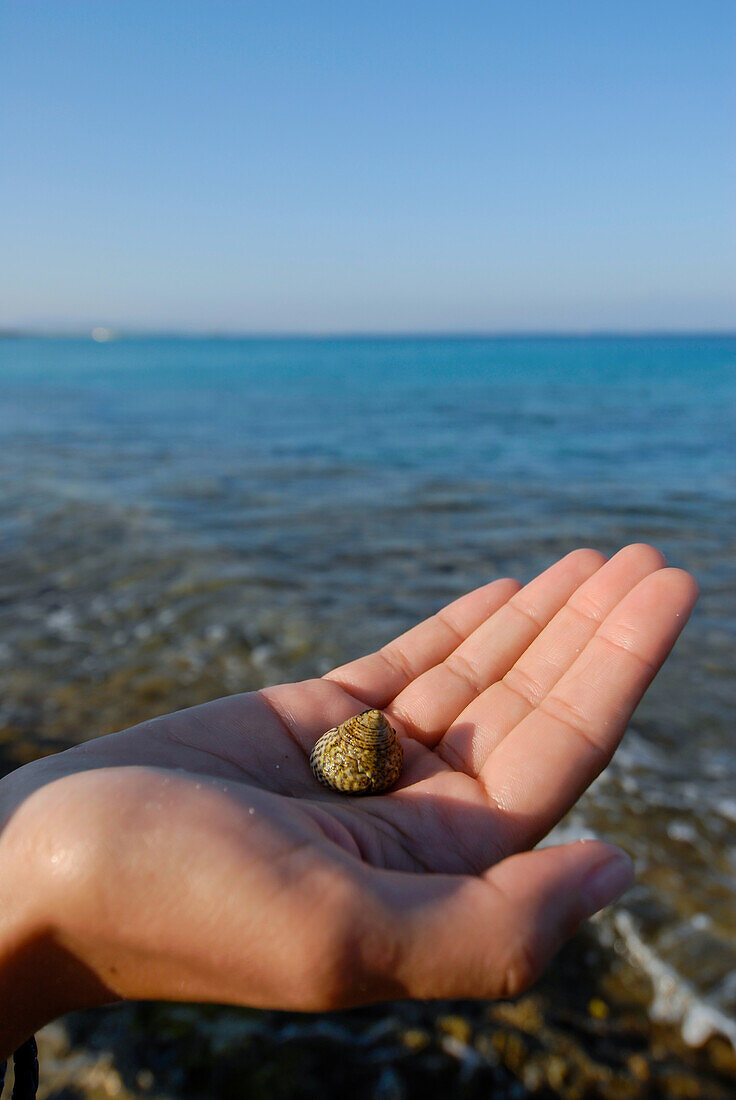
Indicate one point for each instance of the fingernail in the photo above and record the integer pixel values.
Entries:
(608, 881)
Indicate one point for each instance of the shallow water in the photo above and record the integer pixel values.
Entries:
(250, 509)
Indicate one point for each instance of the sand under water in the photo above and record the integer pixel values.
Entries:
(181, 520)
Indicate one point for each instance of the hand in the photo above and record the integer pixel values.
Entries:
(194, 857)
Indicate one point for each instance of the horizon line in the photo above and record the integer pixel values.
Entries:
(112, 333)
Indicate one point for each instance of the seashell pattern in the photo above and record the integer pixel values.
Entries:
(361, 756)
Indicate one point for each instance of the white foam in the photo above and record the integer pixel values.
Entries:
(570, 831)
(682, 830)
(675, 1000)
(726, 807)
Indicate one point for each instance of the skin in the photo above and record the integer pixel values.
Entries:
(194, 857)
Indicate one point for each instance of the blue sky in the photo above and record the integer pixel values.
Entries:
(332, 167)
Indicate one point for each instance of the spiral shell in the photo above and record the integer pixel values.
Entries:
(361, 756)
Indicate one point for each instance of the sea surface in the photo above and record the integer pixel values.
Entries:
(175, 508)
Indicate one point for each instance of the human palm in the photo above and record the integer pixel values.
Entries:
(196, 857)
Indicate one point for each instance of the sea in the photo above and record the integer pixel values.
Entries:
(174, 509)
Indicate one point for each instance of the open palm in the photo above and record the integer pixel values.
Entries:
(220, 870)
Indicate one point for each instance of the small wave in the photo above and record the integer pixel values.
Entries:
(726, 807)
(675, 1000)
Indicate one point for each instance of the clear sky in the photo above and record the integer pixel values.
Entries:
(382, 166)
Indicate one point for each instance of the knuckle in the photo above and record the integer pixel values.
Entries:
(464, 670)
(519, 680)
(586, 607)
(521, 969)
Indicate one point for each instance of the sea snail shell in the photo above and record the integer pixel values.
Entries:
(362, 756)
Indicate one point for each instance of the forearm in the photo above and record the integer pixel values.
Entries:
(24, 950)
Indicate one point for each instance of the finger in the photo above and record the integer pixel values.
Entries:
(490, 717)
(539, 770)
(433, 701)
(492, 936)
(377, 678)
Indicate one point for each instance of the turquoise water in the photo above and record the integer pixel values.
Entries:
(358, 484)
(606, 411)
(467, 455)
(395, 472)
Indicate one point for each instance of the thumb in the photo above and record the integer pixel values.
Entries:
(492, 936)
